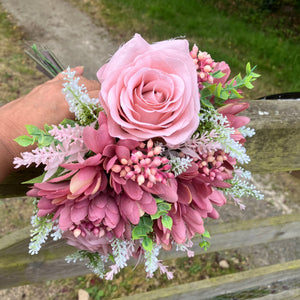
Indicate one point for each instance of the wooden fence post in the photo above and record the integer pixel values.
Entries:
(275, 147)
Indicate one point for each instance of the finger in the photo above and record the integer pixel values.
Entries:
(78, 72)
(90, 84)
(94, 94)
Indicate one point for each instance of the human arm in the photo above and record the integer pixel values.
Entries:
(45, 104)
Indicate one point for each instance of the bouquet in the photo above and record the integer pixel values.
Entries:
(142, 167)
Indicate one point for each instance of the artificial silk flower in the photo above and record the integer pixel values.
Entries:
(151, 90)
(141, 172)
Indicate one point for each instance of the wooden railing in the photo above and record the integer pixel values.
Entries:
(274, 148)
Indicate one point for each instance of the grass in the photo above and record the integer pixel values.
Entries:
(17, 73)
(216, 27)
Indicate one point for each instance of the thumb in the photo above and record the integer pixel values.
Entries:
(78, 72)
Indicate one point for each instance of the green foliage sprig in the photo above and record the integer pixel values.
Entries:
(39, 136)
(229, 90)
(204, 243)
(145, 226)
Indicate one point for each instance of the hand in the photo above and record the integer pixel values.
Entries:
(44, 104)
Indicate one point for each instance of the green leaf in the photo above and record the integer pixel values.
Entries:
(143, 228)
(45, 140)
(37, 179)
(158, 215)
(218, 74)
(205, 102)
(248, 85)
(235, 94)
(147, 223)
(206, 92)
(224, 95)
(238, 79)
(206, 234)
(24, 140)
(111, 257)
(47, 127)
(139, 232)
(218, 101)
(219, 88)
(205, 245)
(68, 122)
(164, 206)
(167, 221)
(255, 75)
(162, 209)
(147, 244)
(158, 200)
(33, 130)
(48, 139)
(202, 244)
(248, 69)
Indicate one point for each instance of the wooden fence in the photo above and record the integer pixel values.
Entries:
(274, 148)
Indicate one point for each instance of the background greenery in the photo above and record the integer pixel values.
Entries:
(263, 32)
(17, 72)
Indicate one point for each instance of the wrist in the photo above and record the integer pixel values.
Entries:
(10, 128)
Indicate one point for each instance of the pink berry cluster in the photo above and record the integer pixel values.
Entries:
(216, 165)
(204, 64)
(145, 166)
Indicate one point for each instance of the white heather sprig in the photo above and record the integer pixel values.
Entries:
(57, 233)
(121, 252)
(95, 261)
(242, 173)
(151, 260)
(180, 164)
(42, 227)
(241, 187)
(247, 131)
(79, 101)
(220, 124)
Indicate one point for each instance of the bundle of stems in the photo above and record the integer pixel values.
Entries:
(45, 59)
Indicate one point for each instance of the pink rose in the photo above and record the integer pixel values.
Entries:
(150, 91)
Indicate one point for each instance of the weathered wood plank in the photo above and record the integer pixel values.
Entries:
(224, 285)
(276, 145)
(17, 267)
(274, 148)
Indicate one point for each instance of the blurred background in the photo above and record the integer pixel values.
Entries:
(262, 32)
